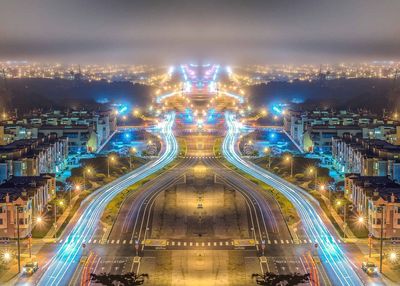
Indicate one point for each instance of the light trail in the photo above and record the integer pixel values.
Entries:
(63, 264)
(165, 96)
(339, 268)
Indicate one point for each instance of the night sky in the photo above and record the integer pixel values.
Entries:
(234, 31)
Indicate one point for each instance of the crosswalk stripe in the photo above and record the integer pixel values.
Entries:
(287, 241)
(124, 241)
(118, 241)
(94, 241)
(112, 241)
(191, 243)
(130, 241)
(275, 241)
(215, 244)
(173, 243)
(184, 244)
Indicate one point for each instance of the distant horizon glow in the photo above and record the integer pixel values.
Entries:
(169, 32)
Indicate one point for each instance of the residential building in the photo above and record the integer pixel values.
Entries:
(370, 197)
(313, 130)
(32, 157)
(367, 157)
(11, 202)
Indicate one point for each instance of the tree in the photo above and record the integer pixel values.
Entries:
(272, 279)
(128, 279)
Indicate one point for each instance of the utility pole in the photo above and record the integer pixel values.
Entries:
(381, 250)
(344, 220)
(18, 241)
(291, 167)
(55, 220)
(108, 167)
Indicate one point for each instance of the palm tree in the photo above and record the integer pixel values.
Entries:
(128, 279)
(272, 279)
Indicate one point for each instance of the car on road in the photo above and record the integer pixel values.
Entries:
(30, 268)
(369, 267)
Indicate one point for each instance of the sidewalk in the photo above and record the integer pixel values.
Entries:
(60, 221)
(349, 235)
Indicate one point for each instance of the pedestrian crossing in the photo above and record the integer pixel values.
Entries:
(212, 243)
(200, 157)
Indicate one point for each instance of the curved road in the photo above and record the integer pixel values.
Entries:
(60, 268)
(339, 268)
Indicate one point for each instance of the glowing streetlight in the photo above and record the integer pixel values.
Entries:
(289, 159)
(39, 220)
(132, 152)
(361, 220)
(393, 256)
(112, 160)
(7, 256)
(339, 204)
(267, 152)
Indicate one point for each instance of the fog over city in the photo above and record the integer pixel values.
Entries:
(234, 31)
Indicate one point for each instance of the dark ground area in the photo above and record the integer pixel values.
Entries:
(370, 94)
(25, 94)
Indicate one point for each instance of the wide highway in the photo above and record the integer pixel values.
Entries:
(339, 268)
(60, 268)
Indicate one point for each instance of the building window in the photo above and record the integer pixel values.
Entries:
(398, 221)
(1, 221)
(21, 221)
(378, 221)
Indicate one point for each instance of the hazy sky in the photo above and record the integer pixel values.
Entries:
(235, 31)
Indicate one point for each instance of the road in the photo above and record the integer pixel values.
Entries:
(210, 259)
(339, 268)
(59, 269)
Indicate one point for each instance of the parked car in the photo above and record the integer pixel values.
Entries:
(30, 268)
(369, 268)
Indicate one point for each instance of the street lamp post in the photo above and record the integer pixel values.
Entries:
(314, 171)
(381, 242)
(267, 152)
(339, 203)
(18, 240)
(132, 152)
(55, 220)
(112, 159)
(290, 160)
(88, 170)
(61, 203)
